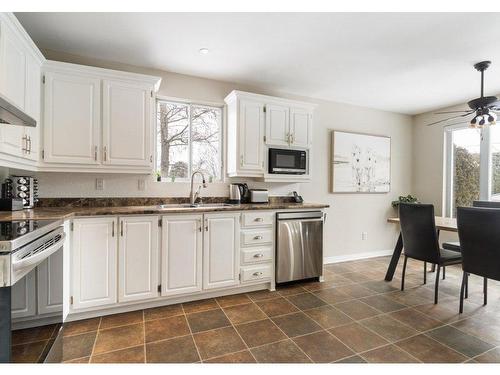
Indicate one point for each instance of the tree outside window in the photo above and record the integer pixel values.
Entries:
(188, 140)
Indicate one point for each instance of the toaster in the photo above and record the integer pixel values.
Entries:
(259, 196)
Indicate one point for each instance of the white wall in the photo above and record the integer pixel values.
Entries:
(349, 215)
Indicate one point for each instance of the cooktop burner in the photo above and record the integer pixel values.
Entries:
(18, 232)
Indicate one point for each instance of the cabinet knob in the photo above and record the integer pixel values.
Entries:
(257, 237)
(257, 273)
(258, 255)
(258, 219)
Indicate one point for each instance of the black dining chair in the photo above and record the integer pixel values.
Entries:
(455, 246)
(420, 240)
(480, 244)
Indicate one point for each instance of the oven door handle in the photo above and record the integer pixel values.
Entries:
(37, 258)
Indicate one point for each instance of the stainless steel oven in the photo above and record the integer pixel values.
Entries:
(286, 161)
(31, 289)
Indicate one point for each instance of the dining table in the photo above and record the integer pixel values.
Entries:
(442, 224)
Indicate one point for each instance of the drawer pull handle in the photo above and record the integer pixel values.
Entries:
(258, 255)
(257, 273)
(257, 237)
(259, 219)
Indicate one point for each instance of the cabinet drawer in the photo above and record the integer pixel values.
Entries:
(256, 237)
(257, 219)
(256, 254)
(254, 273)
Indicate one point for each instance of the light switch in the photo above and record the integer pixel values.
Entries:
(141, 185)
(99, 184)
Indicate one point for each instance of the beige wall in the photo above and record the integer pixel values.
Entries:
(349, 214)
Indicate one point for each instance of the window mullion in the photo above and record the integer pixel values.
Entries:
(485, 165)
(190, 146)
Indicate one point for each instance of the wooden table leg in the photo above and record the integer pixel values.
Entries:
(395, 258)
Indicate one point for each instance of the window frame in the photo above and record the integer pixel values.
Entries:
(485, 164)
(221, 107)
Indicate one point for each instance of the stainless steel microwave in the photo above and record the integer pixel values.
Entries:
(286, 161)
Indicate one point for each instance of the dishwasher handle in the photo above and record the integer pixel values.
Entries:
(299, 215)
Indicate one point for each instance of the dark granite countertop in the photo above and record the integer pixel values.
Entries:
(69, 212)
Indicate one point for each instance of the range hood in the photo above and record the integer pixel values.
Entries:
(11, 114)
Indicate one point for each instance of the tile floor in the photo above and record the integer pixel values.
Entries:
(352, 317)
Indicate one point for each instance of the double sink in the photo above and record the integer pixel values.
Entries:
(199, 205)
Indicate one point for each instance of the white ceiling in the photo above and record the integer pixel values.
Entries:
(400, 62)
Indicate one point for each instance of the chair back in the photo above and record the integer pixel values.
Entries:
(479, 233)
(418, 229)
(486, 204)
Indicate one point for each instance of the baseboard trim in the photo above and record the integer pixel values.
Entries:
(357, 256)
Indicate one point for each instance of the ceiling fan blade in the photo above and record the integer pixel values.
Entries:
(451, 118)
(445, 112)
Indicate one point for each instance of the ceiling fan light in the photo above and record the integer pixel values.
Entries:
(482, 121)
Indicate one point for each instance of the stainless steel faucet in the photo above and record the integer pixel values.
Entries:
(192, 195)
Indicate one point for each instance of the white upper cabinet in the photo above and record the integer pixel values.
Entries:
(127, 123)
(20, 76)
(256, 123)
(221, 250)
(277, 125)
(181, 255)
(12, 66)
(98, 119)
(72, 118)
(138, 258)
(251, 137)
(300, 127)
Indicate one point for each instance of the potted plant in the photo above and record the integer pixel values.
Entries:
(404, 199)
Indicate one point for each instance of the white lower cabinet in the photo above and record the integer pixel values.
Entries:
(181, 267)
(49, 286)
(94, 268)
(138, 258)
(221, 250)
(24, 297)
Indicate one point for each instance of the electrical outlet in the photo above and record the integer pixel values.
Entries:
(99, 184)
(141, 185)
(364, 236)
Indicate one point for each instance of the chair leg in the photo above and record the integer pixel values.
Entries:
(433, 269)
(444, 272)
(485, 291)
(425, 273)
(436, 288)
(466, 285)
(462, 289)
(404, 272)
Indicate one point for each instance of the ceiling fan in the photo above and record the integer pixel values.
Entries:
(482, 109)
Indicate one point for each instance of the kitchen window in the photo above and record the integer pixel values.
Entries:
(189, 139)
(472, 166)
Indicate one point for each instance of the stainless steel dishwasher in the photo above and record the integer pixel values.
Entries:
(299, 245)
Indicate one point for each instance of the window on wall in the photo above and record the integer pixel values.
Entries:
(188, 139)
(472, 166)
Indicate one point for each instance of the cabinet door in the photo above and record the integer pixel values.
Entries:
(12, 140)
(300, 127)
(33, 87)
(138, 258)
(94, 253)
(277, 125)
(72, 118)
(12, 67)
(49, 285)
(181, 254)
(24, 297)
(127, 123)
(221, 251)
(251, 137)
